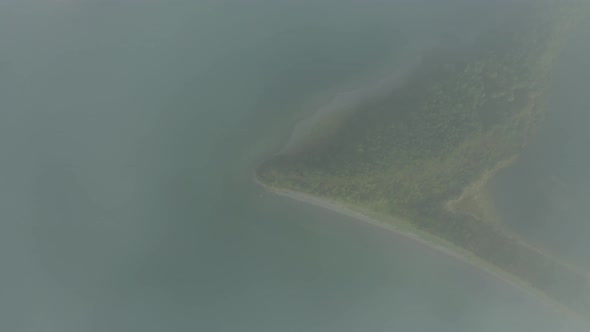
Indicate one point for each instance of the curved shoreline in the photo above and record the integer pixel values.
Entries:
(342, 209)
(412, 234)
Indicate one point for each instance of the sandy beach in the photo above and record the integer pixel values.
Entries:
(350, 212)
(434, 243)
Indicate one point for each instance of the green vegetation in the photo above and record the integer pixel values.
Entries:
(459, 118)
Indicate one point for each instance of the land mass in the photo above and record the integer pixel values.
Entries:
(420, 156)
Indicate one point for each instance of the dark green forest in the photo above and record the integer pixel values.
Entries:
(461, 115)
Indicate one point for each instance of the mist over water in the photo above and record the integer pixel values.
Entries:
(129, 131)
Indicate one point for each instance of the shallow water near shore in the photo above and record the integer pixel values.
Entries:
(129, 136)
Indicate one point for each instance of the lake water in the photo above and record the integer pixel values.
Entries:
(129, 131)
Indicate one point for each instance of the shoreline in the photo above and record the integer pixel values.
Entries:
(434, 243)
(412, 235)
(342, 209)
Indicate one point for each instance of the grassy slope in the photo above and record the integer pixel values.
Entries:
(460, 117)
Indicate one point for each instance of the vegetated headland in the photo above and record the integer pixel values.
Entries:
(420, 156)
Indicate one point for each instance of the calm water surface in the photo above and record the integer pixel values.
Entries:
(128, 135)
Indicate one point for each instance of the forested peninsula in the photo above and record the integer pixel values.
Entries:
(425, 152)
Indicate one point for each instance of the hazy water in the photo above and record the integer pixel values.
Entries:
(128, 134)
